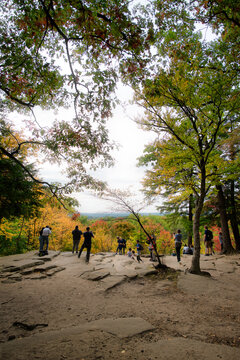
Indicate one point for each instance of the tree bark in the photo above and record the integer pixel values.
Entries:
(227, 245)
(233, 217)
(195, 266)
(190, 218)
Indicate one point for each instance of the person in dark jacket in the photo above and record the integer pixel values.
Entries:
(76, 233)
(88, 235)
(178, 244)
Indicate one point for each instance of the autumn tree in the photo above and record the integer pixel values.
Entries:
(190, 93)
(171, 178)
(122, 228)
(19, 194)
(68, 54)
(228, 188)
(124, 201)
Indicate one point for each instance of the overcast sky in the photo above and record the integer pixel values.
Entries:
(124, 131)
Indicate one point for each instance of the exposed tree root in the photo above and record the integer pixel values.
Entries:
(201, 273)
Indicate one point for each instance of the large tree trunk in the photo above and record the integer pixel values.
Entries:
(190, 218)
(233, 217)
(227, 246)
(195, 266)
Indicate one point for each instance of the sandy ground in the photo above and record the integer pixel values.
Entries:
(62, 316)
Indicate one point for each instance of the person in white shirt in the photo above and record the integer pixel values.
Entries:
(45, 234)
(185, 249)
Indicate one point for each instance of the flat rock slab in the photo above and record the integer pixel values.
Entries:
(15, 276)
(36, 276)
(9, 281)
(131, 274)
(21, 264)
(27, 271)
(54, 270)
(182, 349)
(112, 281)
(195, 284)
(48, 257)
(122, 327)
(146, 272)
(226, 267)
(45, 267)
(34, 346)
(95, 275)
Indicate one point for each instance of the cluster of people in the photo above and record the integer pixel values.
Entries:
(76, 233)
(122, 244)
(131, 253)
(189, 250)
(121, 248)
(87, 243)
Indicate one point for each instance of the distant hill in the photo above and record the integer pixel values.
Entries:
(114, 215)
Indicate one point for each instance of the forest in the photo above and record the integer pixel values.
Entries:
(21, 234)
(181, 58)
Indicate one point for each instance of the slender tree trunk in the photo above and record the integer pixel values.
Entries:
(195, 266)
(190, 218)
(149, 237)
(233, 217)
(227, 245)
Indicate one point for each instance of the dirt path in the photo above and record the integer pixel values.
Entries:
(110, 310)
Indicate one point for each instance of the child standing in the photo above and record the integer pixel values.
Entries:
(139, 249)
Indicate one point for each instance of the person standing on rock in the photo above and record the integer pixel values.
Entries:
(139, 249)
(76, 233)
(88, 235)
(41, 242)
(124, 245)
(178, 244)
(120, 245)
(45, 234)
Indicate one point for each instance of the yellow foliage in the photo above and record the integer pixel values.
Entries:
(101, 241)
(61, 226)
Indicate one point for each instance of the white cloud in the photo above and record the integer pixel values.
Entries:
(131, 139)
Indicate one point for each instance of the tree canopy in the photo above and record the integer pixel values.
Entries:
(72, 54)
(191, 95)
(67, 53)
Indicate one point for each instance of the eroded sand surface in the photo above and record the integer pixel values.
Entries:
(59, 307)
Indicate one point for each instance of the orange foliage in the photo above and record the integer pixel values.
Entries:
(102, 240)
(61, 225)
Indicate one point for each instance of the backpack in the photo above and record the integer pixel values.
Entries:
(140, 247)
(209, 235)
